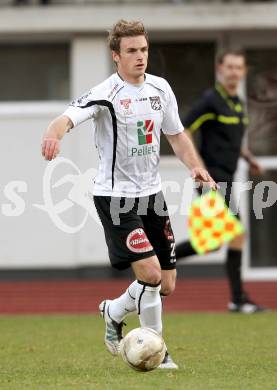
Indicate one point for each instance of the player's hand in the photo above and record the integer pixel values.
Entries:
(50, 148)
(202, 176)
(255, 167)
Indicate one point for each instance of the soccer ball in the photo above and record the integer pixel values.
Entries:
(143, 349)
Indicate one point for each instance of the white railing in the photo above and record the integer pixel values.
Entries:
(87, 2)
(82, 2)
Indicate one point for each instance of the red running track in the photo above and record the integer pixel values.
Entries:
(77, 296)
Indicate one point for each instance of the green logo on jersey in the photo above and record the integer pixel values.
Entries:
(145, 129)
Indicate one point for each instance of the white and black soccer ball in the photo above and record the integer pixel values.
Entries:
(143, 349)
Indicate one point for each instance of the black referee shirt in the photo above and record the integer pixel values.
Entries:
(222, 121)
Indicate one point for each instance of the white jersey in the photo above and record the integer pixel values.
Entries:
(128, 120)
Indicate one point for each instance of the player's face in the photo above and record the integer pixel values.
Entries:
(132, 58)
(232, 70)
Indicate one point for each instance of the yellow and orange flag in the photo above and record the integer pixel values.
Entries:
(211, 223)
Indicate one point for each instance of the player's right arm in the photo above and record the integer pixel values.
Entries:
(78, 112)
(54, 133)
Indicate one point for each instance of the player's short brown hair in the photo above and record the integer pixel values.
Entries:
(223, 53)
(124, 28)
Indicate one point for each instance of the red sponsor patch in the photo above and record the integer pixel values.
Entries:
(168, 231)
(138, 242)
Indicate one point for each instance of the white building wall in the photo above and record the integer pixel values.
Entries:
(28, 236)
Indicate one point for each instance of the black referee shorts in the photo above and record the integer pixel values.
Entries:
(137, 228)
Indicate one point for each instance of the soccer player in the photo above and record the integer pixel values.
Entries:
(221, 118)
(129, 110)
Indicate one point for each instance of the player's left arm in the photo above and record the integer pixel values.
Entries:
(254, 165)
(186, 152)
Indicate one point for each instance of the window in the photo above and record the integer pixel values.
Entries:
(263, 235)
(34, 72)
(189, 69)
(262, 101)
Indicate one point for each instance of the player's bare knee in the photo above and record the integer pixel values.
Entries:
(152, 276)
(168, 282)
(148, 271)
(168, 288)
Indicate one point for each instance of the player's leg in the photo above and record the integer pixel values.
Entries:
(148, 300)
(168, 282)
(127, 242)
(146, 272)
(143, 296)
(149, 304)
(159, 231)
(125, 304)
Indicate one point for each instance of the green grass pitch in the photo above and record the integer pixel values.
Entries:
(214, 351)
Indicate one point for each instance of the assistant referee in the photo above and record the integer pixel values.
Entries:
(221, 118)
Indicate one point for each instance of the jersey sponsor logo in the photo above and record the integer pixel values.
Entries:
(81, 100)
(145, 129)
(138, 242)
(143, 150)
(143, 99)
(113, 90)
(125, 103)
(155, 102)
